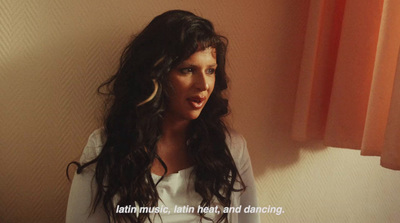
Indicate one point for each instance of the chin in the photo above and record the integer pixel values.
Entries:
(193, 116)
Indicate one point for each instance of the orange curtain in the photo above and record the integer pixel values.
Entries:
(349, 85)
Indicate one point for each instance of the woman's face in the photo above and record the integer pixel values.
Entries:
(192, 84)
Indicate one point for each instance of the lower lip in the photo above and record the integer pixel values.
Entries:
(196, 105)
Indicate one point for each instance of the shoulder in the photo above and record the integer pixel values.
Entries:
(234, 140)
(237, 145)
(94, 145)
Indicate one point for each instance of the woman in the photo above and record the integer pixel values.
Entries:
(164, 154)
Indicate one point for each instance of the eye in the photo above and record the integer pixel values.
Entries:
(210, 71)
(186, 70)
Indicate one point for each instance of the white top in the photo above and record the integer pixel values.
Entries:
(176, 190)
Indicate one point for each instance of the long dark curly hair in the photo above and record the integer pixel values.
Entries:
(137, 100)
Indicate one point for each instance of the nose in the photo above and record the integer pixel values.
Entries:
(202, 81)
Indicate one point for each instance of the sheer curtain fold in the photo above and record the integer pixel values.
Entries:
(348, 90)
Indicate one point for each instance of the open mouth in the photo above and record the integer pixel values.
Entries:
(196, 102)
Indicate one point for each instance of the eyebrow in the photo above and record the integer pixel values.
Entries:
(193, 65)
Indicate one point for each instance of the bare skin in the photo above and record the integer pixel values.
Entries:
(172, 148)
(193, 82)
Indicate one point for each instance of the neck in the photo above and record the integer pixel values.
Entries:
(172, 146)
(174, 130)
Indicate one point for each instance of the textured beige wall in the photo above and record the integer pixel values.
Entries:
(53, 55)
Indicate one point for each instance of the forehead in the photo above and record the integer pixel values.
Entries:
(208, 55)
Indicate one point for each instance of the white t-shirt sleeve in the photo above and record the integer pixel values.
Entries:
(83, 188)
(249, 196)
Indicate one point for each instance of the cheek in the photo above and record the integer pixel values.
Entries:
(212, 84)
(178, 88)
